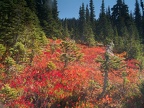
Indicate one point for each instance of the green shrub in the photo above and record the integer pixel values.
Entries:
(51, 66)
(91, 41)
(19, 48)
(18, 51)
(9, 93)
(70, 52)
(141, 88)
(119, 45)
(134, 49)
(9, 61)
(2, 50)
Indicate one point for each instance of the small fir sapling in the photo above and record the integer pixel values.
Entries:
(108, 63)
(70, 52)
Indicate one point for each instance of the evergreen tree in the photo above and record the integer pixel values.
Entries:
(133, 29)
(92, 12)
(19, 24)
(74, 31)
(55, 10)
(120, 18)
(48, 15)
(82, 22)
(120, 9)
(72, 26)
(87, 15)
(102, 8)
(137, 18)
(11, 21)
(66, 31)
(86, 34)
(43, 10)
(108, 63)
(104, 27)
(142, 6)
(31, 4)
(108, 12)
(70, 52)
(122, 29)
(89, 34)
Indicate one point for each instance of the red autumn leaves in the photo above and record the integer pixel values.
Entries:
(45, 82)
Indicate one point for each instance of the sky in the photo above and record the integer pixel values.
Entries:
(70, 8)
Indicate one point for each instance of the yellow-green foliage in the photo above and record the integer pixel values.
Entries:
(42, 38)
(53, 47)
(135, 49)
(2, 50)
(114, 62)
(9, 61)
(51, 66)
(70, 52)
(9, 93)
(18, 50)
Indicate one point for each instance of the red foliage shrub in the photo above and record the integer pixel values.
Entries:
(132, 64)
(38, 86)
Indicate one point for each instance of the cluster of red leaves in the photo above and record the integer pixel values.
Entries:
(133, 64)
(41, 87)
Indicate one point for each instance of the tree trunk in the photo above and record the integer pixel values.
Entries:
(105, 85)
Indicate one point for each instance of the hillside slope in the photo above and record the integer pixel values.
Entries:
(49, 83)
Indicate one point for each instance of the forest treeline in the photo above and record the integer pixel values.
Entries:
(115, 24)
(25, 25)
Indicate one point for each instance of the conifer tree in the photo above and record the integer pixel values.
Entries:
(48, 15)
(120, 17)
(66, 31)
(70, 52)
(137, 18)
(11, 24)
(142, 6)
(104, 28)
(108, 12)
(72, 26)
(55, 10)
(120, 9)
(92, 12)
(108, 63)
(32, 5)
(19, 24)
(89, 34)
(82, 22)
(86, 33)
(102, 8)
(87, 15)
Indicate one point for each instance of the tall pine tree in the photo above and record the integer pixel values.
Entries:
(11, 21)
(137, 18)
(82, 22)
(120, 17)
(55, 10)
(104, 27)
(86, 34)
(47, 12)
(92, 13)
